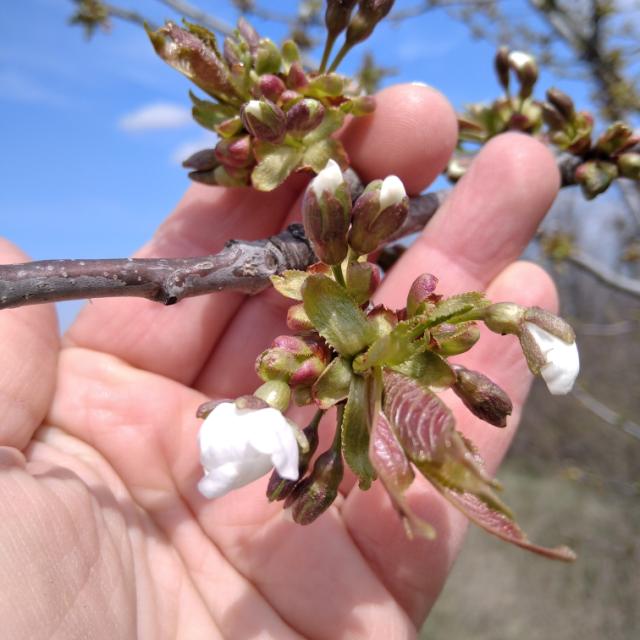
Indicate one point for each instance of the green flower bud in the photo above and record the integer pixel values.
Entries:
(325, 213)
(264, 120)
(595, 177)
(454, 339)
(377, 213)
(552, 117)
(615, 138)
(482, 397)
(275, 393)
(363, 278)
(629, 165)
(504, 317)
(267, 58)
(296, 360)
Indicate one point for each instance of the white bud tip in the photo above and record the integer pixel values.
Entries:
(329, 179)
(253, 107)
(391, 192)
(519, 59)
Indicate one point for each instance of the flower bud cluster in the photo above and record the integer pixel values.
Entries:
(615, 153)
(272, 116)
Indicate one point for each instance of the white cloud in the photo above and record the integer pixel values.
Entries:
(159, 115)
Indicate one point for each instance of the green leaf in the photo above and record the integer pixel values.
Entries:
(336, 317)
(456, 307)
(333, 384)
(396, 474)
(428, 369)
(267, 57)
(318, 154)
(276, 163)
(498, 523)
(289, 283)
(356, 425)
(400, 344)
(425, 428)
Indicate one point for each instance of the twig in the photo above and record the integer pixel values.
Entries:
(604, 273)
(206, 20)
(241, 266)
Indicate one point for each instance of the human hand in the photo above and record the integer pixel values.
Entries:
(104, 533)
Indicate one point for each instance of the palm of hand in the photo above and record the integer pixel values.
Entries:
(104, 533)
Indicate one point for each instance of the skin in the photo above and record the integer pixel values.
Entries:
(104, 534)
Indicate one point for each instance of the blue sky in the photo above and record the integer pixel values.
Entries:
(93, 131)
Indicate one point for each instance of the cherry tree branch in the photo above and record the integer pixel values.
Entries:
(243, 266)
(604, 273)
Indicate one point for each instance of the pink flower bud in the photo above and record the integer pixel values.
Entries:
(271, 87)
(304, 116)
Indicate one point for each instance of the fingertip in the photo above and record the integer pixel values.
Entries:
(526, 283)
(412, 134)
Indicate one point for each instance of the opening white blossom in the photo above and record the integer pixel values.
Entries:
(562, 360)
(329, 179)
(253, 107)
(520, 59)
(238, 446)
(391, 192)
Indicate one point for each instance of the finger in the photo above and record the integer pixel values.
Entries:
(411, 134)
(29, 337)
(175, 341)
(415, 571)
(486, 222)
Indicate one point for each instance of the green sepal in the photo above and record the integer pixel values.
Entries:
(428, 369)
(289, 283)
(210, 114)
(401, 343)
(356, 427)
(319, 153)
(335, 315)
(333, 384)
(458, 308)
(276, 163)
(331, 122)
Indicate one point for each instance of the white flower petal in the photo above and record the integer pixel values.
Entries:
(392, 192)
(519, 59)
(563, 361)
(329, 179)
(238, 446)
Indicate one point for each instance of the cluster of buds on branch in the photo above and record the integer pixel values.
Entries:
(381, 371)
(272, 116)
(598, 162)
